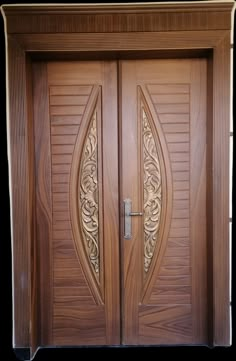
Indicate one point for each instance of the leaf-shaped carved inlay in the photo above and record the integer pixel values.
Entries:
(89, 196)
(152, 192)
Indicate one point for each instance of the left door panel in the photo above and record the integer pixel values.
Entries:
(76, 194)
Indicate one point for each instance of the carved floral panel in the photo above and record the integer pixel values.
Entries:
(152, 192)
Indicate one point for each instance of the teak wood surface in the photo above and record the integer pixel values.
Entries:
(116, 33)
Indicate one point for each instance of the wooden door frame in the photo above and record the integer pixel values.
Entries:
(115, 31)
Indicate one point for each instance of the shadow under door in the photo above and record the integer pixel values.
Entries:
(121, 210)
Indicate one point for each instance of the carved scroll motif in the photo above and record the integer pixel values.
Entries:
(89, 196)
(152, 192)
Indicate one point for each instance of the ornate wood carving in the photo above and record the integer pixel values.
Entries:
(85, 193)
(193, 27)
(88, 196)
(152, 192)
(157, 191)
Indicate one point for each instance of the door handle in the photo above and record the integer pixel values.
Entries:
(128, 215)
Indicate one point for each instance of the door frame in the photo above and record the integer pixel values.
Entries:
(112, 31)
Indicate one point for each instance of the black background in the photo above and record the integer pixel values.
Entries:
(6, 351)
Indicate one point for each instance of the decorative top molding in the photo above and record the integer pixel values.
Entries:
(28, 9)
(117, 18)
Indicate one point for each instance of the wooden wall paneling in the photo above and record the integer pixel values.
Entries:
(19, 191)
(220, 181)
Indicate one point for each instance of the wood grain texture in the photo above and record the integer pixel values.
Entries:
(35, 297)
(179, 229)
(198, 208)
(74, 327)
(220, 181)
(209, 198)
(71, 288)
(20, 198)
(130, 188)
(144, 31)
(130, 41)
(179, 276)
(118, 18)
(72, 292)
(174, 324)
(119, 8)
(111, 202)
(86, 210)
(43, 201)
(166, 192)
(182, 193)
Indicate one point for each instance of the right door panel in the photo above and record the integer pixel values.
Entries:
(164, 174)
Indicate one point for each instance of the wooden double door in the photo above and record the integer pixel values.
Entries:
(113, 138)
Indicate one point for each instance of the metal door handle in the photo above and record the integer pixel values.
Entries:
(128, 214)
(136, 214)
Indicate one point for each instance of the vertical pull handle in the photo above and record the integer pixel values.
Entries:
(128, 214)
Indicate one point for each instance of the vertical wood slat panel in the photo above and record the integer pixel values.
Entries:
(19, 193)
(34, 289)
(111, 203)
(157, 17)
(221, 96)
(198, 209)
(130, 188)
(209, 198)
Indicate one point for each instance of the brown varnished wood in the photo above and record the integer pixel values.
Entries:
(80, 323)
(93, 103)
(179, 275)
(130, 186)
(20, 198)
(118, 18)
(120, 41)
(209, 198)
(119, 8)
(167, 196)
(180, 313)
(111, 202)
(198, 209)
(220, 182)
(43, 200)
(146, 31)
(35, 296)
(68, 286)
(68, 293)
